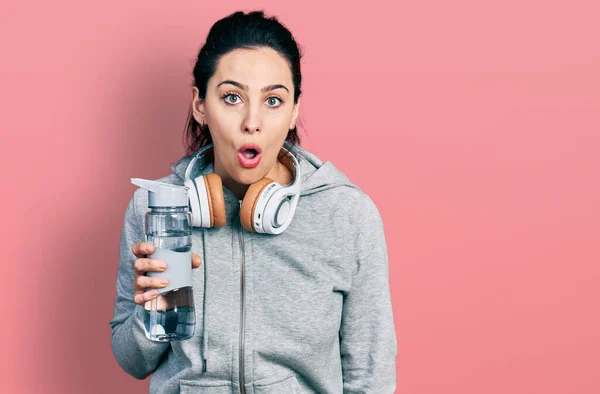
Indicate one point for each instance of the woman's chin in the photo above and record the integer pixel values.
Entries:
(248, 176)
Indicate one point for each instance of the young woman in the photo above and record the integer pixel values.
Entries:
(305, 309)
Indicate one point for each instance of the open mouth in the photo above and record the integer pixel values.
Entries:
(249, 155)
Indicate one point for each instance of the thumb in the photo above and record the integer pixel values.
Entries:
(196, 260)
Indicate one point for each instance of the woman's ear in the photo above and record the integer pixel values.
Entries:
(295, 114)
(197, 106)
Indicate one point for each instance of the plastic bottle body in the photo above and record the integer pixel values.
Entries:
(171, 316)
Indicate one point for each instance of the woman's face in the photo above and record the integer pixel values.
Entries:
(249, 100)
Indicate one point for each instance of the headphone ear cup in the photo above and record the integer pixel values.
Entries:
(249, 202)
(216, 201)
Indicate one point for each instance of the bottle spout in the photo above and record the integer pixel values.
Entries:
(162, 194)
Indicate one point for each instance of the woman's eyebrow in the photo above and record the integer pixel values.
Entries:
(244, 87)
(273, 87)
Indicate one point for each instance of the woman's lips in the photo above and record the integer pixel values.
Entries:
(249, 162)
(249, 155)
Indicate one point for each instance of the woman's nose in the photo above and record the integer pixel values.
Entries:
(252, 122)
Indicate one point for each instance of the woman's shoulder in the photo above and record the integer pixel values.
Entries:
(353, 206)
(332, 187)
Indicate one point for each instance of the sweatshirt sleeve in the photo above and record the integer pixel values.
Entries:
(367, 334)
(136, 354)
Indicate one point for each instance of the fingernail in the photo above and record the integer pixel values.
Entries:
(162, 265)
(164, 282)
(149, 248)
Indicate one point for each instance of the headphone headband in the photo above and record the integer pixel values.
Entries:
(206, 155)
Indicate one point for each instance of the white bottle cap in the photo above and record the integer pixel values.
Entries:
(163, 194)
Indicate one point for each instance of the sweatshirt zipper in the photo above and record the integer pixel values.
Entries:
(242, 309)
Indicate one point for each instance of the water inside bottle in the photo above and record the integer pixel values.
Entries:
(172, 319)
(171, 316)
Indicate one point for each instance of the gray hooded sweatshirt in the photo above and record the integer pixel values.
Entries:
(305, 311)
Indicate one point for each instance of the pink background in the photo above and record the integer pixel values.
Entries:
(474, 126)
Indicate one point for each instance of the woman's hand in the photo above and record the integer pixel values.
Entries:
(142, 265)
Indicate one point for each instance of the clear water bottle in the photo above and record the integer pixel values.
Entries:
(170, 316)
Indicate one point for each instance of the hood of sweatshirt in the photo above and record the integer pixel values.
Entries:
(316, 176)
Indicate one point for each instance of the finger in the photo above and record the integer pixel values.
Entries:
(141, 297)
(141, 249)
(196, 260)
(144, 282)
(147, 265)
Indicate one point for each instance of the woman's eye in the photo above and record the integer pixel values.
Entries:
(273, 101)
(231, 98)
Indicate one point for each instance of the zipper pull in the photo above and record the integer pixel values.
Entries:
(240, 210)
